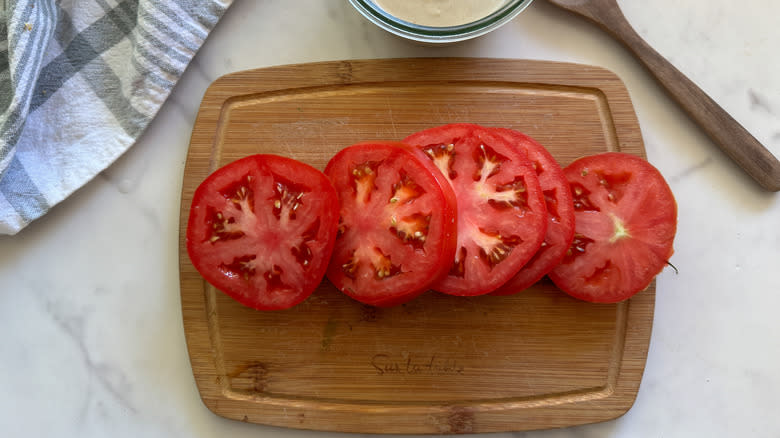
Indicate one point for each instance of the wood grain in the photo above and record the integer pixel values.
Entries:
(731, 137)
(439, 364)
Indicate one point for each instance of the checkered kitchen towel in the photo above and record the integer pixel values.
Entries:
(79, 82)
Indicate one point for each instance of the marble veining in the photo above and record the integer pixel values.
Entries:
(759, 102)
(690, 170)
(108, 376)
(92, 341)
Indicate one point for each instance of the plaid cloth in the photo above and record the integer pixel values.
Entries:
(79, 82)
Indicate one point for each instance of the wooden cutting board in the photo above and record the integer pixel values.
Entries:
(438, 364)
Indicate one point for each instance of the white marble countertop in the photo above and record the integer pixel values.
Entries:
(90, 314)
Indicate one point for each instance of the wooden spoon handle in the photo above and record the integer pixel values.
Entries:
(726, 132)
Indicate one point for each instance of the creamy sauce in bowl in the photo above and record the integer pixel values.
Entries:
(440, 13)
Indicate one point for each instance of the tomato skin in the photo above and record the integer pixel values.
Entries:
(502, 216)
(398, 223)
(560, 213)
(261, 230)
(625, 223)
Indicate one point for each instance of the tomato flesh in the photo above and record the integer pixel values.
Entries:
(398, 223)
(625, 223)
(502, 216)
(560, 213)
(261, 229)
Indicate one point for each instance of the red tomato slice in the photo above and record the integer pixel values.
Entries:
(625, 222)
(262, 228)
(560, 213)
(501, 211)
(398, 223)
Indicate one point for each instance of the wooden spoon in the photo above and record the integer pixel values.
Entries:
(726, 132)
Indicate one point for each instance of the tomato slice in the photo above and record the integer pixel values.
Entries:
(262, 228)
(501, 210)
(398, 223)
(625, 222)
(560, 213)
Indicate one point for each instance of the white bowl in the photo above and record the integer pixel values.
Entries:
(443, 34)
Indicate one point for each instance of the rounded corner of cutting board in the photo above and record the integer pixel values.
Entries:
(306, 109)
